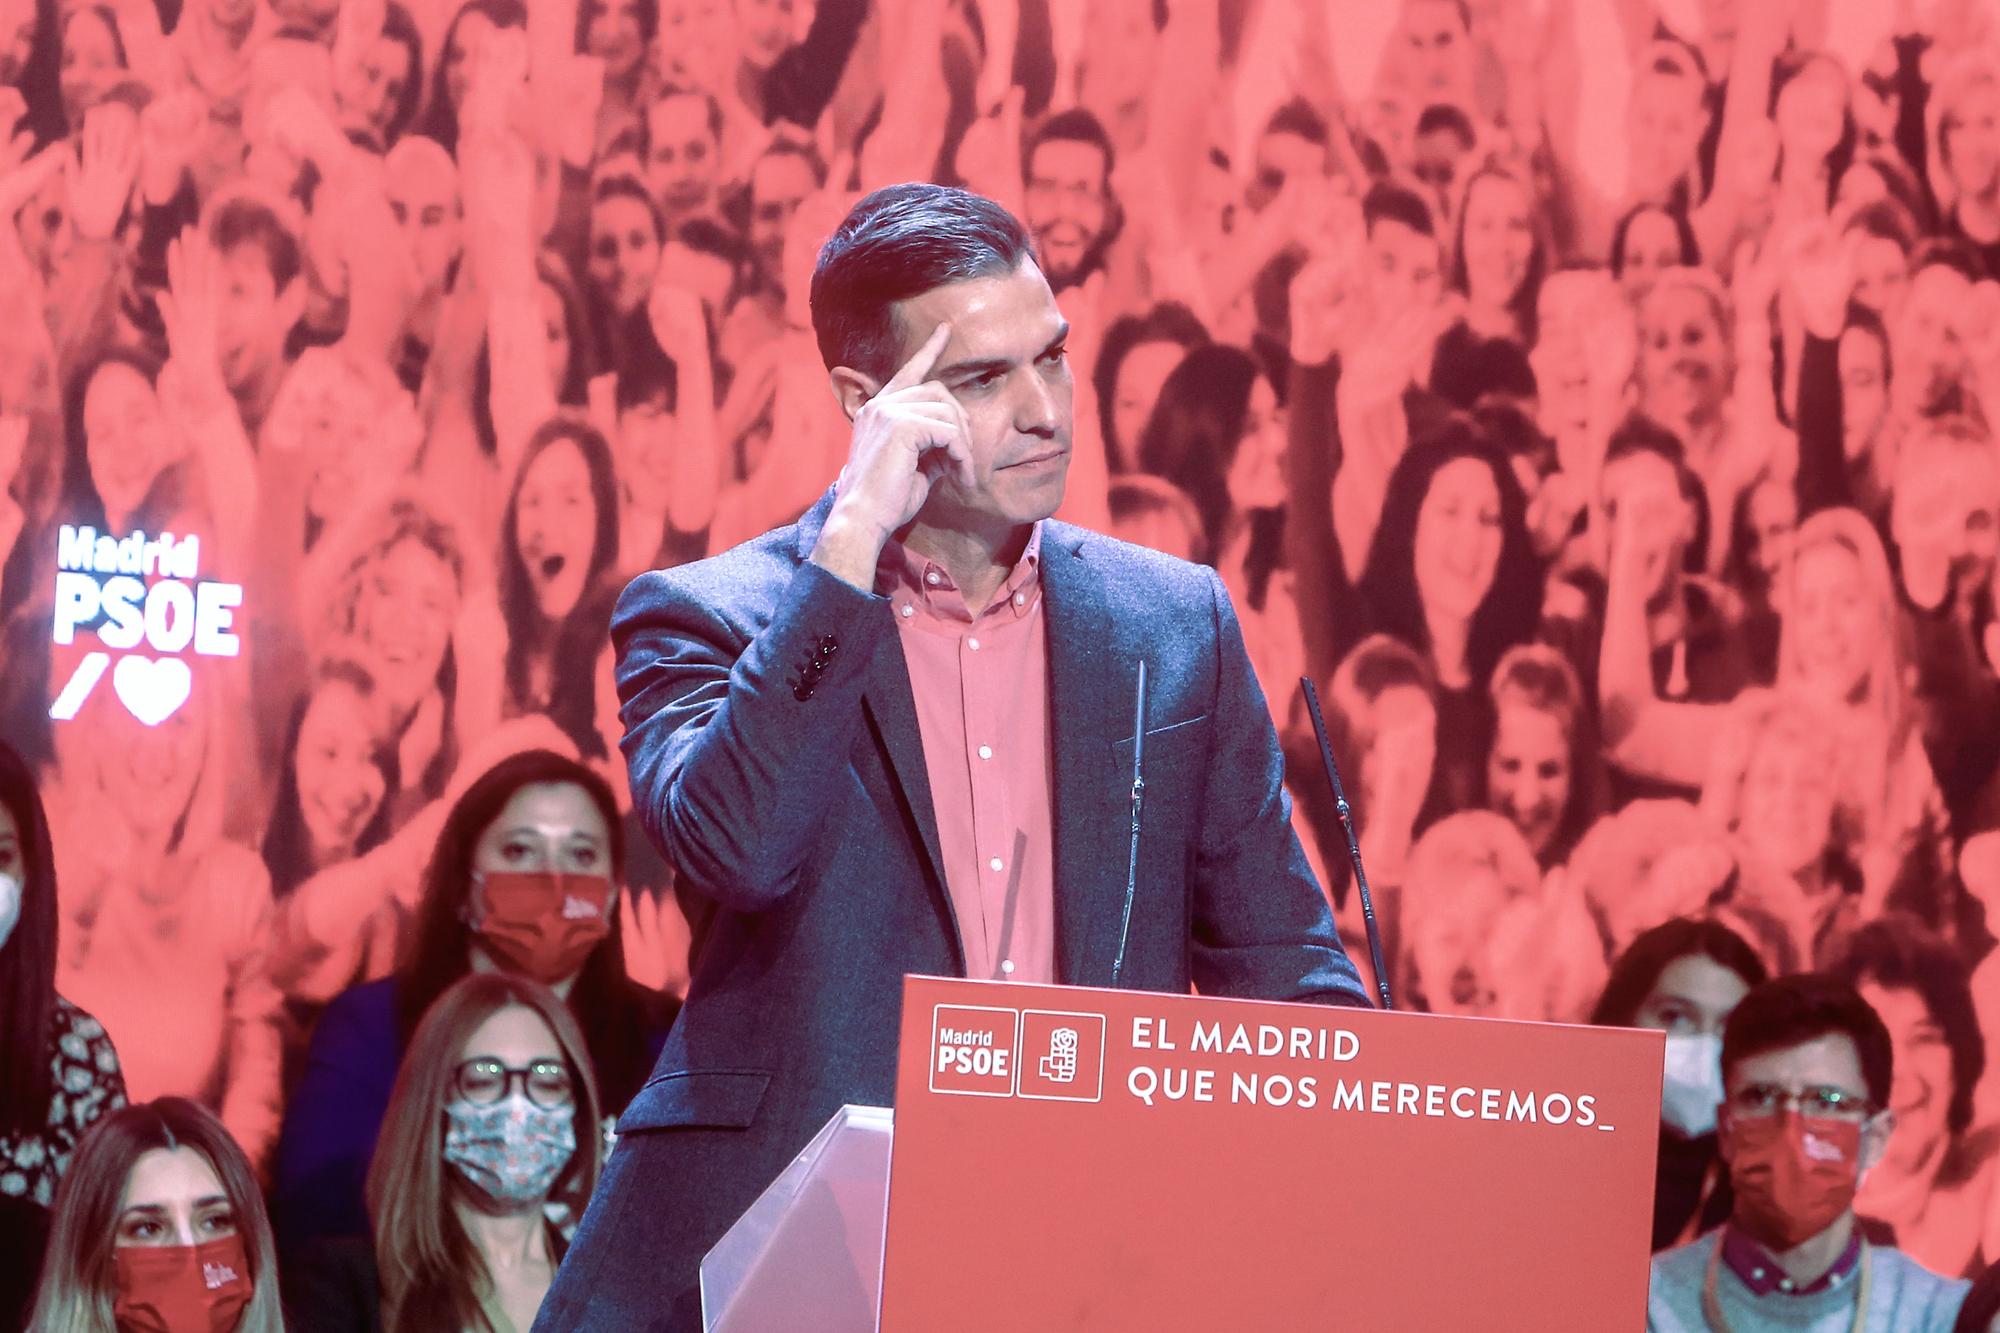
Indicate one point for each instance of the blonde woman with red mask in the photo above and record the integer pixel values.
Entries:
(159, 1228)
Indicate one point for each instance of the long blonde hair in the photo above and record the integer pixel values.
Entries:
(77, 1272)
(1886, 700)
(432, 1273)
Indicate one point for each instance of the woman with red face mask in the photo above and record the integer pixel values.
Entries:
(525, 880)
(159, 1229)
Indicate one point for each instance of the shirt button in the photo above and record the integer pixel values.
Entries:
(1020, 599)
(973, 644)
(908, 610)
(985, 752)
(1007, 966)
(934, 578)
(994, 864)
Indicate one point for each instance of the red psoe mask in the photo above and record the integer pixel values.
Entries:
(1793, 1177)
(181, 1288)
(543, 924)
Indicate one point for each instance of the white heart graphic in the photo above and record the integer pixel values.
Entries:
(152, 691)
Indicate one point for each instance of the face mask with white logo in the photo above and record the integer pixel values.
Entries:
(1693, 1087)
(10, 907)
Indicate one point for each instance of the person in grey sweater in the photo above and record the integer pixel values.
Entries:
(1806, 1067)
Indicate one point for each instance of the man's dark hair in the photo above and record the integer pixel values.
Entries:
(1388, 201)
(1298, 117)
(246, 221)
(1443, 116)
(898, 242)
(1075, 125)
(1794, 1010)
(1899, 952)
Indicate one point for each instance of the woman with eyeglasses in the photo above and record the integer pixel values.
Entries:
(490, 1130)
(524, 882)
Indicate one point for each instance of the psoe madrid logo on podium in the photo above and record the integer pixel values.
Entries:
(1038, 1054)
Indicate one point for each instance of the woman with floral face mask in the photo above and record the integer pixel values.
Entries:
(1683, 978)
(159, 1229)
(523, 881)
(490, 1130)
(61, 1073)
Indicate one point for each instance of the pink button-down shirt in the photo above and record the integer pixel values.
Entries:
(981, 686)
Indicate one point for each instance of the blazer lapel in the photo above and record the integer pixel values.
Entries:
(892, 712)
(1089, 709)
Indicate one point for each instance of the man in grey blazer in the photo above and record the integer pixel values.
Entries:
(896, 737)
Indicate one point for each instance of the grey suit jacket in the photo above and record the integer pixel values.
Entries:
(775, 760)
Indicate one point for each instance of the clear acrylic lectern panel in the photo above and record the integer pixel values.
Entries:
(808, 1253)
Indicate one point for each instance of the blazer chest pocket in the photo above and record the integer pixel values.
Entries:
(697, 1098)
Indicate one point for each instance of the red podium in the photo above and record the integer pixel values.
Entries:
(1072, 1159)
(1104, 1160)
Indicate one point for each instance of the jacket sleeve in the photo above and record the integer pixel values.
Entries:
(737, 745)
(1261, 928)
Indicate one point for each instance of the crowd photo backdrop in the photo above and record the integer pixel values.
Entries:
(1595, 398)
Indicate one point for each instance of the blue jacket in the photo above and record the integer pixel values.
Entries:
(793, 803)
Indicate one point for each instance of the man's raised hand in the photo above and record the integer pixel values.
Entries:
(906, 437)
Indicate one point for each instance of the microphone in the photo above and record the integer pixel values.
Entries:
(1138, 799)
(1353, 845)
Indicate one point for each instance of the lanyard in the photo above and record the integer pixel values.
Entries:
(1711, 1304)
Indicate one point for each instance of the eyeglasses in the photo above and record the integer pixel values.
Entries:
(1758, 1101)
(484, 1082)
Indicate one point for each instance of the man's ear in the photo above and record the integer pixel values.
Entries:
(852, 389)
(1725, 1140)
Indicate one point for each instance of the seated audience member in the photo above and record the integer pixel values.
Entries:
(1684, 977)
(159, 1226)
(1807, 1069)
(491, 1127)
(1933, 1191)
(58, 1073)
(523, 881)
(348, 923)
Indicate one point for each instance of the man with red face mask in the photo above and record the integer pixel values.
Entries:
(1806, 1068)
